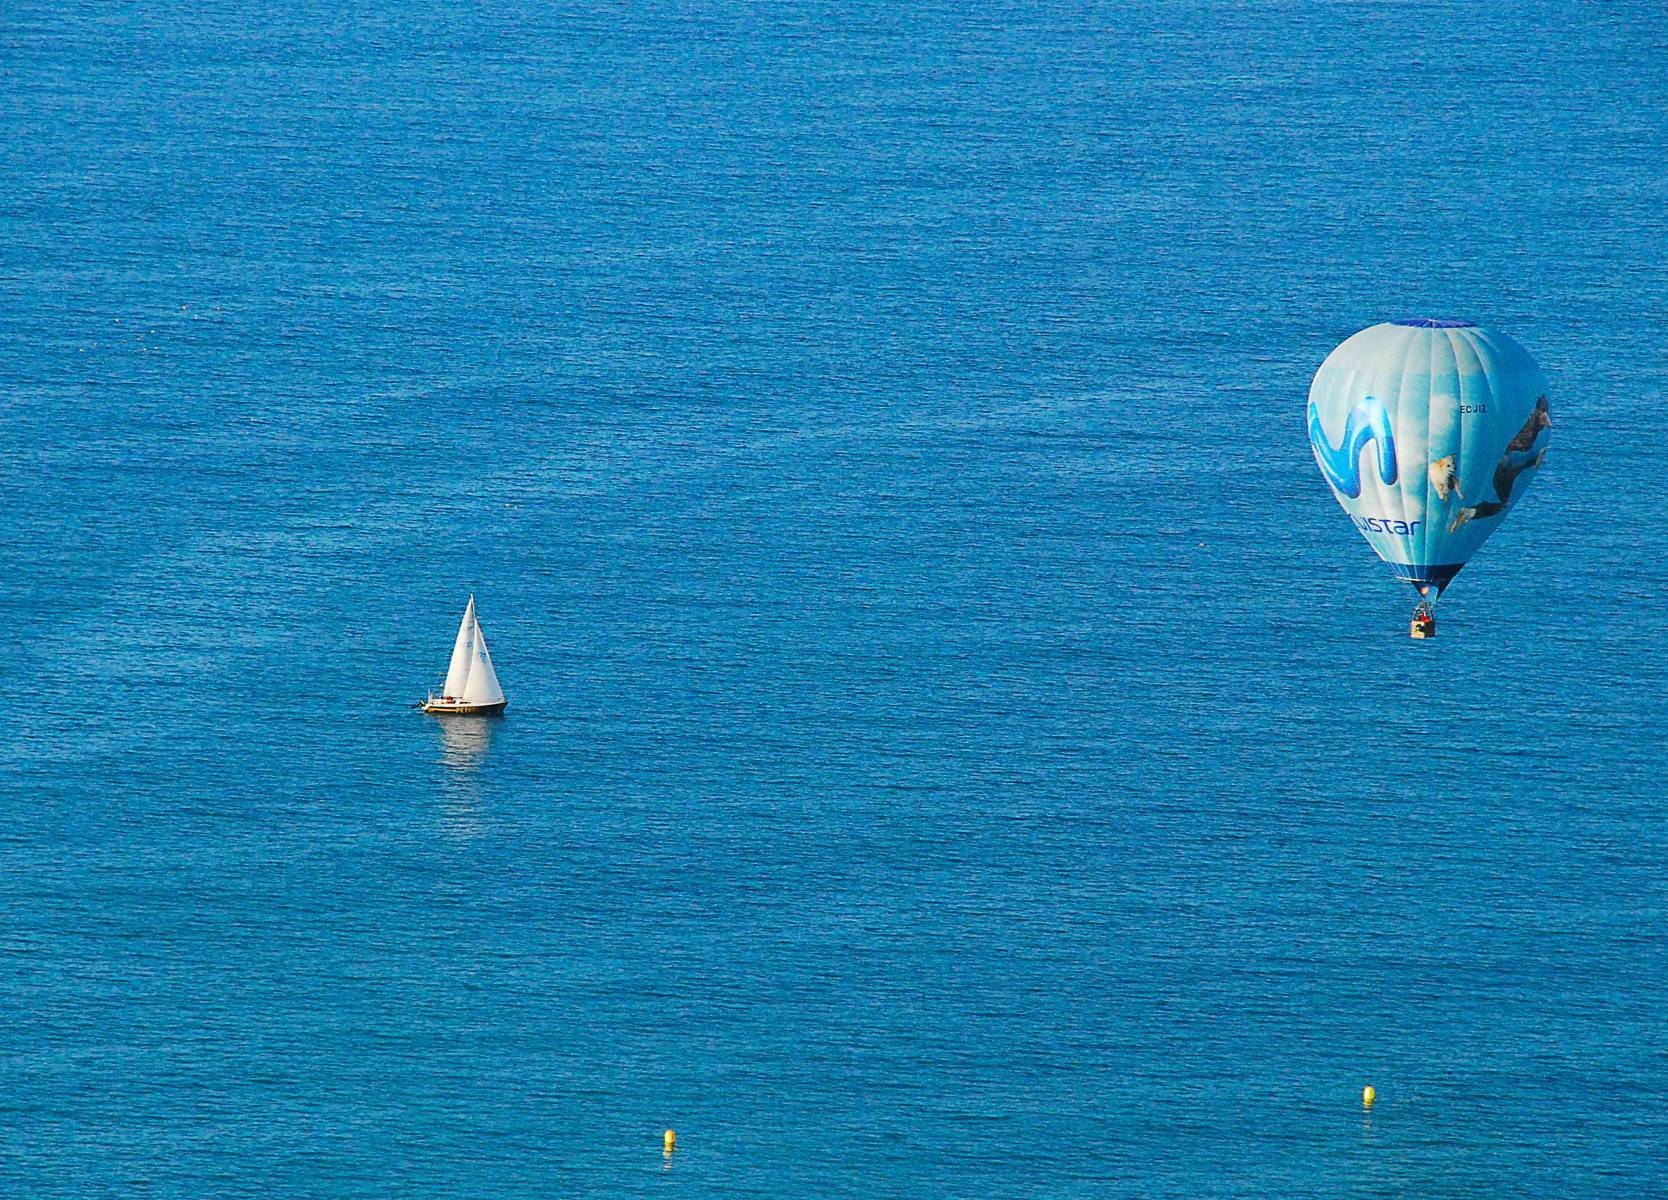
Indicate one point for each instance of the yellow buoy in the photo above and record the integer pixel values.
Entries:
(1367, 1098)
(671, 1141)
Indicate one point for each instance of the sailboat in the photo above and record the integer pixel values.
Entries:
(471, 687)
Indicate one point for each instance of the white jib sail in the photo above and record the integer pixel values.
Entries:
(482, 685)
(463, 654)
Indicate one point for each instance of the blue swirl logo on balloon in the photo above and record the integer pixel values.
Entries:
(1367, 422)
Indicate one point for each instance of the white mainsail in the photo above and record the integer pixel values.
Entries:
(463, 654)
(482, 685)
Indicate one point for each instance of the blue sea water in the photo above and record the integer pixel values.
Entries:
(957, 746)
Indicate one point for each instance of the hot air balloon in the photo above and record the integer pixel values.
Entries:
(1428, 431)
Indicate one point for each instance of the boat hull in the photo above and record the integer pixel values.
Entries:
(438, 709)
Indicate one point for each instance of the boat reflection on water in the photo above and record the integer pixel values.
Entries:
(464, 743)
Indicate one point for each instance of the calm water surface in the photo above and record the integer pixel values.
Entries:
(957, 746)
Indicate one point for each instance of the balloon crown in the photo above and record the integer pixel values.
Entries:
(1435, 323)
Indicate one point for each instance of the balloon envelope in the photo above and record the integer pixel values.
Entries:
(1428, 431)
